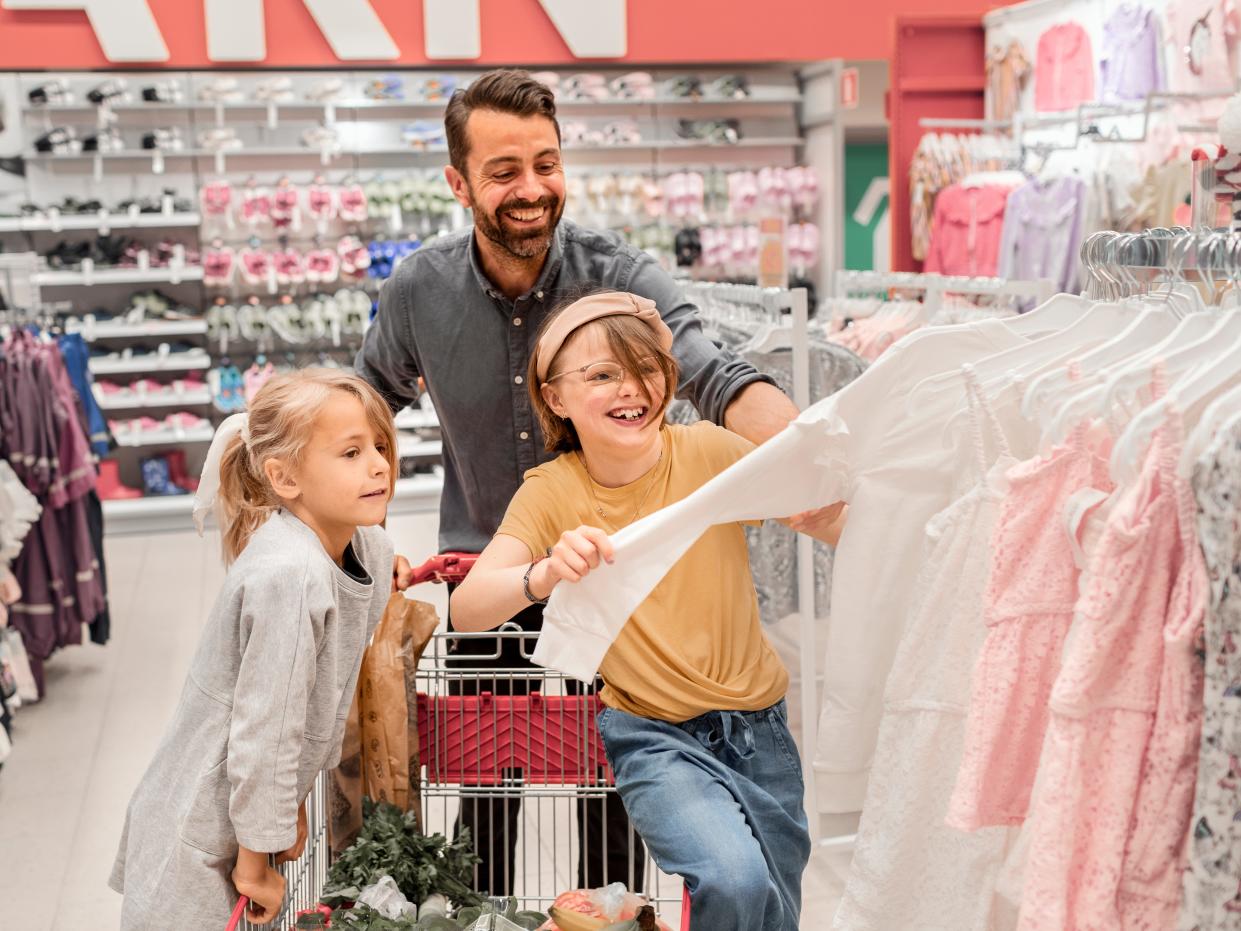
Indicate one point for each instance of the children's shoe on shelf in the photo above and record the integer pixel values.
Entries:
(180, 473)
(109, 484)
(157, 478)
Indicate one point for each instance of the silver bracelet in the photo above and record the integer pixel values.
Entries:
(525, 586)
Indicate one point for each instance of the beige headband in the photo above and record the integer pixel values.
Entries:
(595, 307)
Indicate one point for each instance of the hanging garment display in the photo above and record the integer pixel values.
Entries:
(1007, 71)
(1027, 535)
(42, 438)
(967, 229)
(1201, 38)
(943, 160)
(1064, 69)
(1042, 232)
(1131, 66)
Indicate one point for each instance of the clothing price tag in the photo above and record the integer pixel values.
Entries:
(329, 114)
(168, 205)
(134, 212)
(88, 272)
(272, 285)
(144, 260)
(104, 225)
(53, 219)
(98, 168)
(773, 261)
(273, 115)
(157, 163)
(395, 219)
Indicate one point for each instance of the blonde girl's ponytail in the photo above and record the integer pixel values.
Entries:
(278, 425)
(245, 499)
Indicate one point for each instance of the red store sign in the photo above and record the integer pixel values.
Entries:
(57, 34)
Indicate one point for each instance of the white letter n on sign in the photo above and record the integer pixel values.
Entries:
(235, 30)
(125, 28)
(591, 28)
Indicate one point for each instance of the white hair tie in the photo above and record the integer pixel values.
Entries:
(206, 500)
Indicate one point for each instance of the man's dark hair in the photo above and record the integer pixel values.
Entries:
(505, 90)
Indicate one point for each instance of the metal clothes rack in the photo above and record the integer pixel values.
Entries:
(1084, 117)
(933, 287)
(1120, 265)
(786, 308)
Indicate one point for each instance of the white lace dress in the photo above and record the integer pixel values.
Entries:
(910, 870)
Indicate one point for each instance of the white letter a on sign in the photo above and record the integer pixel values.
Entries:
(125, 28)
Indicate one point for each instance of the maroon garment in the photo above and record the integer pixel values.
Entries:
(42, 437)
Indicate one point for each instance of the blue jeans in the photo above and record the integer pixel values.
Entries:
(718, 800)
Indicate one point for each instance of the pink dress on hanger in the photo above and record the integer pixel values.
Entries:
(1029, 607)
(1116, 785)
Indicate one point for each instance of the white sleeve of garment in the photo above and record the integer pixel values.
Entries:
(800, 469)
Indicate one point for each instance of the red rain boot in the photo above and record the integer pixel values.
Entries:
(109, 483)
(180, 474)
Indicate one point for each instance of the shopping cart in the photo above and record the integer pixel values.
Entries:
(489, 735)
(493, 735)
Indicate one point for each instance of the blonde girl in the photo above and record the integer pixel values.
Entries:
(299, 486)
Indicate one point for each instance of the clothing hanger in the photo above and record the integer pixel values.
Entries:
(1046, 392)
(1218, 414)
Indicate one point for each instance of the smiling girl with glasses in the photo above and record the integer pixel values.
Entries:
(694, 722)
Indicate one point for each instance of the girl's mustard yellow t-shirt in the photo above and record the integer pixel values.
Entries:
(696, 643)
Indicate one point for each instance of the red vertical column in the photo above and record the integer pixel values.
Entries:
(937, 70)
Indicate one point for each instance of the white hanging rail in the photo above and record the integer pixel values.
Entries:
(934, 287)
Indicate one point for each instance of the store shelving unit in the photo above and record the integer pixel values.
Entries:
(92, 330)
(99, 222)
(150, 364)
(136, 402)
(371, 144)
(70, 278)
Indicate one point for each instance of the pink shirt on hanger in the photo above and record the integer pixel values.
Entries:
(1064, 70)
(966, 230)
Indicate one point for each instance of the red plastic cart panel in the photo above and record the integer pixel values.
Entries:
(481, 739)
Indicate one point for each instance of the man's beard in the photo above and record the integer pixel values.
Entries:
(527, 244)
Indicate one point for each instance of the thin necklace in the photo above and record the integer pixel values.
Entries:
(649, 486)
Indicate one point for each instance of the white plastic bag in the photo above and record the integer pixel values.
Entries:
(387, 899)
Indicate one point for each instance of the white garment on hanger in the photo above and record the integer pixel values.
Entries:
(862, 446)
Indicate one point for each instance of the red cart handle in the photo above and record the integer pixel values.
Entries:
(446, 567)
(235, 921)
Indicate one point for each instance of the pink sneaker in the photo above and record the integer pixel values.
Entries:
(284, 206)
(218, 267)
(255, 206)
(322, 266)
(351, 202)
(321, 201)
(255, 265)
(216, 197)
(290, 268)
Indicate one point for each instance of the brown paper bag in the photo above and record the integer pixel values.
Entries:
(379, 757)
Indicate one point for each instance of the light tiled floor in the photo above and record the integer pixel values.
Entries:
(79, 754)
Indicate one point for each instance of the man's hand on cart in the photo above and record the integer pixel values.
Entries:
(299, 845)
(255, 878)
(402, 574)
(575, 554)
